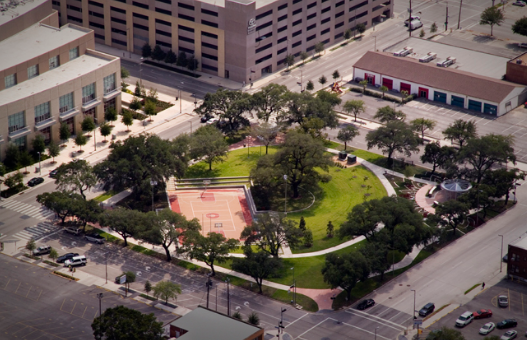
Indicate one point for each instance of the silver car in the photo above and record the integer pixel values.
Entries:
(487, 328)
(503, 301)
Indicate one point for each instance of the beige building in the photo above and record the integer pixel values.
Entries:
(237, 39)
(50, 75)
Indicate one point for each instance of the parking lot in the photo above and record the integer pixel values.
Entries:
(487, 299)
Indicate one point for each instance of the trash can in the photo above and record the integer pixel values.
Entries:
(114, 136)
(342, 155)
(352, 159)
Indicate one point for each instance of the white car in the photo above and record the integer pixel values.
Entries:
(212, 121)
(464, 319)
(412, 18)
(487, 328)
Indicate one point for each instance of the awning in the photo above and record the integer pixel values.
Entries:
(68, 114)
(19, 133)
(91, 104)
(45, 123)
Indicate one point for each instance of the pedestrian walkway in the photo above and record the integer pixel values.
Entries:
(38, 212)
(37, 232)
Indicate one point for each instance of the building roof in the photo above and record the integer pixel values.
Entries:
(73, 69)
(429, 74)
(35, 41)
(203, 323)
(520, 242)
(12, 9)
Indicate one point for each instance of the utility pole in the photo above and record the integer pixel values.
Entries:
(228, 298)
(208, 284)
(446, 19)
(459, 17)
(410, 20)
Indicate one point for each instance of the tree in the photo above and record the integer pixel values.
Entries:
(322, 80)
(355, 107)
(319, 47)
(64, 132)
(491, 16)
(271, 232)
(30, 245)
(422, 33)
(266, 133)
(208, 143)
(433, 28)
(437, 155)
(12, 156)
(452, 213)
(77, 175)
(361, 28)
(148, 287)
(259, 266)
(503, 180)
(137, 90)
(166, 290)
(53, 254)
(302, 224)
(135, 104)
(253, 318)
(289, 60)
(88, 125)
(446, 333)
(86, 211)
(39, 144)
(150, 109)
(345, 270)
(213, 248)
(127, 120)
(308, 238)
(61, 203)
(336, 75)
(330, 229)
(346, 134)
(192, 63)
(395, 136)
(304, 55)
(120, 323)
(386, 114)
(383, 89)
(520, 26)
(182, 59)
(110, 115)
(347, 34)
(404, 94)
(158, 53)
(25, 159)
(53, 150)
(377, 254)
(482, 153)
(423, 124)
(125, 222)
(80, 140)
(269, 100)
(146, 51)
(106, 130)
(171, 57)
(124, 73)
(460, 131)
(363, 83)
(237, 315)
(310, 86)
(15, 182)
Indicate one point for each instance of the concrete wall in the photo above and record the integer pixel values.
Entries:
(516, 73)
(25, 20)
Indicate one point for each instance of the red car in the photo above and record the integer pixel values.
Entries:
(482, 313)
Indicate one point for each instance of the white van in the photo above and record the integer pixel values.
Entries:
(415, 24)
(76, 261)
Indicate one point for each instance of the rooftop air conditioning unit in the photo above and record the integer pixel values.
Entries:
(428, 58)
(404, 52)
(446, 63)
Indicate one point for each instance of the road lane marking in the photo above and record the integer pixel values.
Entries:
(315, 326)
(364, 330)
(367, 316)
(295, 320)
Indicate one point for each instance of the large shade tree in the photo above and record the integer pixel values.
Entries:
(77, 175)
(270, 100)
(125, 222)
(460, 131)
(259, 266)
(345, 270)
(119, 323)
(491, 16)
(208, 143)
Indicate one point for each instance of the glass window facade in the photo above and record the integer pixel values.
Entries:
(54, 62)
(32, 71)
(10, 80)
(88, 93)
(66, 102)
(17, 121)
(20, 142)
(109, 83)
(42, 112)
(74, 53)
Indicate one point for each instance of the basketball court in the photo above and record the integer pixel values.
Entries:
(222, 211)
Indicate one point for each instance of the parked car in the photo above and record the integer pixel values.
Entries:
(427, 309)
(521, 4)
(521, 45)
(482, 313)
(365, 304)
(63, 258)
(213, 121)
(509, 335)
(415, 24)
(503, 301)
(95, 238)
(35, 181)
(507, 323)
(464, 319)
(412, 18)
(76, 261)
(487, 328)
(204, 119)
(42, 250)
(73, 230)
(53, 172)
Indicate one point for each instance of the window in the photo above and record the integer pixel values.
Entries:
(94, 3)
(99, 36)
(123, 1)
(311, 37)
(54, 62)
(165, 1)
(207, 34)
(72, 18)
(297, 44)
(88, 93)
(209, 56)
(162, 43)
(108, 104)
(311, 16)
(310, 48)
(109, 83)
(282, 50)
(42, 112)
(95, 14)
(118, 31)
(262, 26)
(281, 40)
(261, 60)
(20, 142)
(164, 11)
(166, 34)
(185, 28)
(74, 8)
(297, 33)
(339, 14)
(163, 22)
(32, 71)
(189, 7)
(281, 29)
(120, 21)
(339, 35)
(267, 35)
(204, 44)
(66, 102)
(74, 53)
(118, 10)
(325, 20)
(310, 27)
(338, 4)
(298, 22)
(296, 11)
(143, 27)
(296, 1)
(186, 17)
(208, 23)
(96, 25)
(140, 16)
(10, 80)
(264, 14)
(205, 66)
(17, 121)
(325, 10)
(311, 5)
(55, 3)
(206, 11)
(283, 17)
(263, 48)
(324, 31)
(282, 7)
(186, 50)
(186, 39)
(138, 4)
(340, 24)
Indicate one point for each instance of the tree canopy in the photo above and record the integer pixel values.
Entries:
(208, 143)
(269, 100)
(491, 16)
(355, 107)
(395, 136)
(347, 133)
(520, 26)
(77, 175)
(60, 202)
(123, 323)
(345, 270)
(125, 222)
(259, 266)
(460, 131)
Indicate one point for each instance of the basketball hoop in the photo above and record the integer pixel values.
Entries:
(206, 182)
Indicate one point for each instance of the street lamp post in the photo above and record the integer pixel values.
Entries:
(153, 183)
(99, 296)
(294, 287)
(180, 99)
(281, 325)
(413, 290)
(190, 127)
(501, 256)
(285, 195)
(228, 298)
(95, 139)
(39, 167)
(141, 72)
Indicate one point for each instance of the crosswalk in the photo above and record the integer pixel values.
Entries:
(36, 232)
(40, 213)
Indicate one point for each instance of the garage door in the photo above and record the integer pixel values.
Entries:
(388, 83)
(439, 97)
(406, 87)
(490, 109)
(474, 105)
(458, 101)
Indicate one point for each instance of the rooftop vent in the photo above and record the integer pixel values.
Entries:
(428, 58)
(446, 63)
(404, 52)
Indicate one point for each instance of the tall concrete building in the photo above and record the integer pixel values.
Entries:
(50, 75)
(237, 39)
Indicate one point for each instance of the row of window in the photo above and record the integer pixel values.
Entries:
(323, 32)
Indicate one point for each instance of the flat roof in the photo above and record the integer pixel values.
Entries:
(35, 41)
(12, 9)
(203, 323)
(73, 69)
(520, 243)
(472, 61)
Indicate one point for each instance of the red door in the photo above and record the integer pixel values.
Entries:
(370, 78)
(406, 87)
(388, 83)
(423, 93)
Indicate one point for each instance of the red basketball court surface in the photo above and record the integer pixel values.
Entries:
(222, 211)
